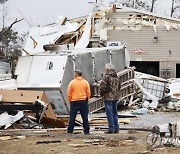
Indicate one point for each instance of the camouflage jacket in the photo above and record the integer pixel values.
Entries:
(111, 81)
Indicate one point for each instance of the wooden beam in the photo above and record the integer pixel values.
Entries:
(27, 97)
(20, 96)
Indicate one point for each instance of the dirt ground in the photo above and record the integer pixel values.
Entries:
(58, 142)
(126, 142)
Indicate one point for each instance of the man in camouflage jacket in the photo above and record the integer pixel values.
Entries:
(109, 90)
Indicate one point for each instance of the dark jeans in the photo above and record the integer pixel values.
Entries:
(112, 115)
(82, 107)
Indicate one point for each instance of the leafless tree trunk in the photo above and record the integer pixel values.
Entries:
(175, 7)
(152, 6)
(4, 13)
(172, 8)
(134, 4)
(9, 27)
(6, 33)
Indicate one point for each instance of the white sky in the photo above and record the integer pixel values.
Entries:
(163, 7)
(42, 12)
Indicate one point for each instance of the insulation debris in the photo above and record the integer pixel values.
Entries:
(7, 120)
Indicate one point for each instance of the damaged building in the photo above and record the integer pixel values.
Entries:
(152, 40)
(61, 48)
(53, 52)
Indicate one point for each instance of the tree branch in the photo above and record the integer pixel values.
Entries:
(11, 25)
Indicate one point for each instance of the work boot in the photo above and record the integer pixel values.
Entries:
(69, 132)
(86, 133)
(109, 132)
(116, 131)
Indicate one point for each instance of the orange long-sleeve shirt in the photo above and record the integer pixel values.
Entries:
(78, 89)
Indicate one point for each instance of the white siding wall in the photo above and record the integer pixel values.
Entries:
(166, 50)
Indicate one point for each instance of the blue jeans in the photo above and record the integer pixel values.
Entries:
(82, 107)
(112, 115)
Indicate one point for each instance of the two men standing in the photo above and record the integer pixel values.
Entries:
(79, 94)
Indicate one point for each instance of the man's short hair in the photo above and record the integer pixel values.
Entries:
(79, 72)
(109, 66)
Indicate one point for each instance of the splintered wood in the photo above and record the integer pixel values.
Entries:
(29, 97)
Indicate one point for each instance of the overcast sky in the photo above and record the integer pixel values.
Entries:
(42, 12)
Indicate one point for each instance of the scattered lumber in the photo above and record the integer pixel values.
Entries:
(48, 141)
(130, 128)
(3, 138)
(79, 145)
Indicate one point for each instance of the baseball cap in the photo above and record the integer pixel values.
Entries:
(79, 72)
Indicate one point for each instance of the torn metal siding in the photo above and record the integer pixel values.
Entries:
(40, 71)
(40, 36)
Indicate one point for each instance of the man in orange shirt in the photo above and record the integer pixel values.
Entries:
(78, 93)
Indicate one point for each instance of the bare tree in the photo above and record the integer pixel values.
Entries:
(8, 37)
(172, 8)
(152, 5)
(148, 5)
(137, 4)
(3, 1)
(175, 7)
(4, 12)
(141, 5)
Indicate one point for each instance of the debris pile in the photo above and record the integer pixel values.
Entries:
(164, 135)
(40, 101)
(153, 91)
(29, 108)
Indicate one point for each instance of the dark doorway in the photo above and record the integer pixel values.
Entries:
(177, 70)
(146, 67)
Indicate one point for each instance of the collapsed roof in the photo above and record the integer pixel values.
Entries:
(79, 32)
